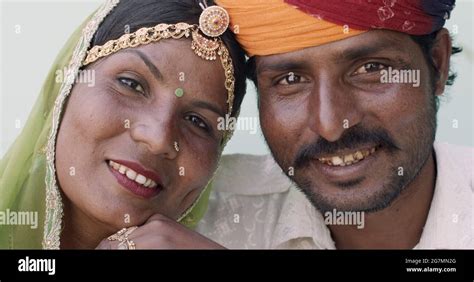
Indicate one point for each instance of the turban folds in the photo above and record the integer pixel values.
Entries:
(266, 27)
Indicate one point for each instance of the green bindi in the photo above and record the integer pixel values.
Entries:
(179, 92)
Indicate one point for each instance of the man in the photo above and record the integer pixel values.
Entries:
(348, 96)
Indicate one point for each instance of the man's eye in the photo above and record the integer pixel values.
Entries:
(370, 67)
(197, 121)
(131, 83)
(290, 78)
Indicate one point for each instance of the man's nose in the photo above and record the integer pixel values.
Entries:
(335, 109)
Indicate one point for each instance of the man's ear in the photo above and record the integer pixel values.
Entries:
(441, 54)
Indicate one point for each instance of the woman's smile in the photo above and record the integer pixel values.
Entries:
(135, 178)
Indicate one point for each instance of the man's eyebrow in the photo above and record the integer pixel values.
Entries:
(208, 106)
(280, 66)
(351, 54)
(153, 69)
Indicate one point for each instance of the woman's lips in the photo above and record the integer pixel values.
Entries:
(135, 178)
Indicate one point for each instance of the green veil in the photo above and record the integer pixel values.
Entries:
(27, 171)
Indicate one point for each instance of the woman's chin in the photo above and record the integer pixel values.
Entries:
(119, 220)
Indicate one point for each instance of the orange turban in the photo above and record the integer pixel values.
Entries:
(267, 27)
(273, 27)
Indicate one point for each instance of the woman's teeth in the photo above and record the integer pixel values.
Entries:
(132, 175)
(347, 159)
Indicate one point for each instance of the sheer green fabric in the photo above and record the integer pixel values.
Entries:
(23, 167)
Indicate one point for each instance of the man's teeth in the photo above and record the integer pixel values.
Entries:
(133, 175)
(347, 159)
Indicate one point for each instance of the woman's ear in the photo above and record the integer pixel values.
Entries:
(441, 54)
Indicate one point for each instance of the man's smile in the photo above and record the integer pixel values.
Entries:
(349, 164)
(347, 158)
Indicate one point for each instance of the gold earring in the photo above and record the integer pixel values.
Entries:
(176, 146)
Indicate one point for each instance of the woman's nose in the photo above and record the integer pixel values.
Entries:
(157, 131)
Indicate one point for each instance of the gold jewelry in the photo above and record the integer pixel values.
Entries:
(143, 36)
(122, 246)
(122, 234)
(213, 22)
(127, 244)
(131, 245)
(176, 146)
(122, 237)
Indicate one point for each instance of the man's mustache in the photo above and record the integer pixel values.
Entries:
(353, 138)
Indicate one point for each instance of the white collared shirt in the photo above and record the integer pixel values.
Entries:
(255, 206)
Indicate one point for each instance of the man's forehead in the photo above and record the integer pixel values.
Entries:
(371, 42)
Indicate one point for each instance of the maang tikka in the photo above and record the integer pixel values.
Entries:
(213, 22)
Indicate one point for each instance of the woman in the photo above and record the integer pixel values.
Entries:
(138, 149)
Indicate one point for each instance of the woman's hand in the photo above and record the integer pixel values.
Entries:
(161, 232)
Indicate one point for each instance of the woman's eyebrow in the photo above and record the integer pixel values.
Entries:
(153, 69)
(208, 106)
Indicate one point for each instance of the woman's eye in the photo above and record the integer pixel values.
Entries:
(197, 121)
(290, 78)
(131, 83)
(370, 67)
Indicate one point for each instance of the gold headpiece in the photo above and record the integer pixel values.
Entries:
(213, 22)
